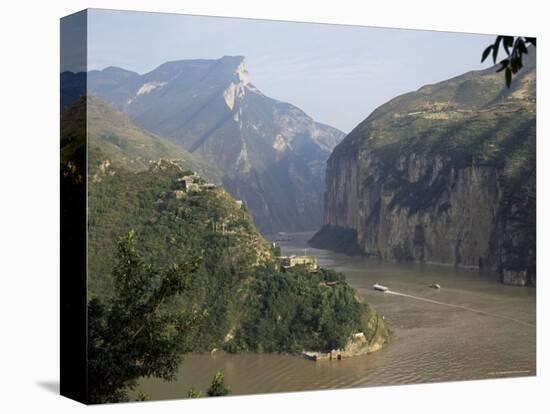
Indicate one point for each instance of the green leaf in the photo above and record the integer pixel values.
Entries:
(514, 65)
(486, 53)
(496, 47)
(504, 64)
(508, 75)
(508, 42)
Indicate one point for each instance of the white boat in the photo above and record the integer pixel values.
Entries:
(435, 286)
(379, 287)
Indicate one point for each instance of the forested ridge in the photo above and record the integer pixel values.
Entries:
(236, 296)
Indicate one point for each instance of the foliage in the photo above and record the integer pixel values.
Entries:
(123, 142)
(167, 227)
(135, 333)
(515, 48)
(236, 286)
(296, 310)
(142, 397)
(218, 387)
(172, 271)
(193, 393)
(276, 250)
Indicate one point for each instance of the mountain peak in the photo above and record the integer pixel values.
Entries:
(117, 71)
(239, 63)
(209, 108)
(230, 59)
(228, 68)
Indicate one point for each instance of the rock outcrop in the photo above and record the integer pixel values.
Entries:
(443, 175)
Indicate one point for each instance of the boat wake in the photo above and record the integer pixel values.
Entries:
(480, 312)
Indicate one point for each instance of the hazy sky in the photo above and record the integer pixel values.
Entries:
(337, 74)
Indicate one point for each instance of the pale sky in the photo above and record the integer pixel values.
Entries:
(337, 74)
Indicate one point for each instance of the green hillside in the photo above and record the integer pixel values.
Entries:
(114, 138)
(251, 305)
(471, 116)
(236, 293)
(473, 119)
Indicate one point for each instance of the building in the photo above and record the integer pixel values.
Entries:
(189, 182)
(309, 262)
(194, 182)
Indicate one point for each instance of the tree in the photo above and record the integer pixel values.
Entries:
(276, 250)
(218, 388)
(193, 393)
(515, 48)
(135, 333)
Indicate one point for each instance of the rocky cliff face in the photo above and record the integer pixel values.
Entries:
(270, 153)
(443, 175)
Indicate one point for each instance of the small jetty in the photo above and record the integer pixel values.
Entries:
(356, 345)
(380, 287)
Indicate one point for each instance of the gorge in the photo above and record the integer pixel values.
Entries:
(442, 175)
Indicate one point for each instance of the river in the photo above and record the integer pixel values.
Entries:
(472, 328)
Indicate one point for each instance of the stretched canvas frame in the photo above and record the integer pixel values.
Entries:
(424, 209)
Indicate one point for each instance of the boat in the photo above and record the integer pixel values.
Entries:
(435, 286)
(379, 287)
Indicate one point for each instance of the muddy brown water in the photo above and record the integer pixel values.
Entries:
(472, 328)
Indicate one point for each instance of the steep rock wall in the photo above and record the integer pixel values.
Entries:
(423, 208)
(445, 174)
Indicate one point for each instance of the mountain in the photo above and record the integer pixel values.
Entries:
(247, 302)
(445, 175)
(271, 153)
(114, 139)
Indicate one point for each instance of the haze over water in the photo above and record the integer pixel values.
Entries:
(472, 328)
